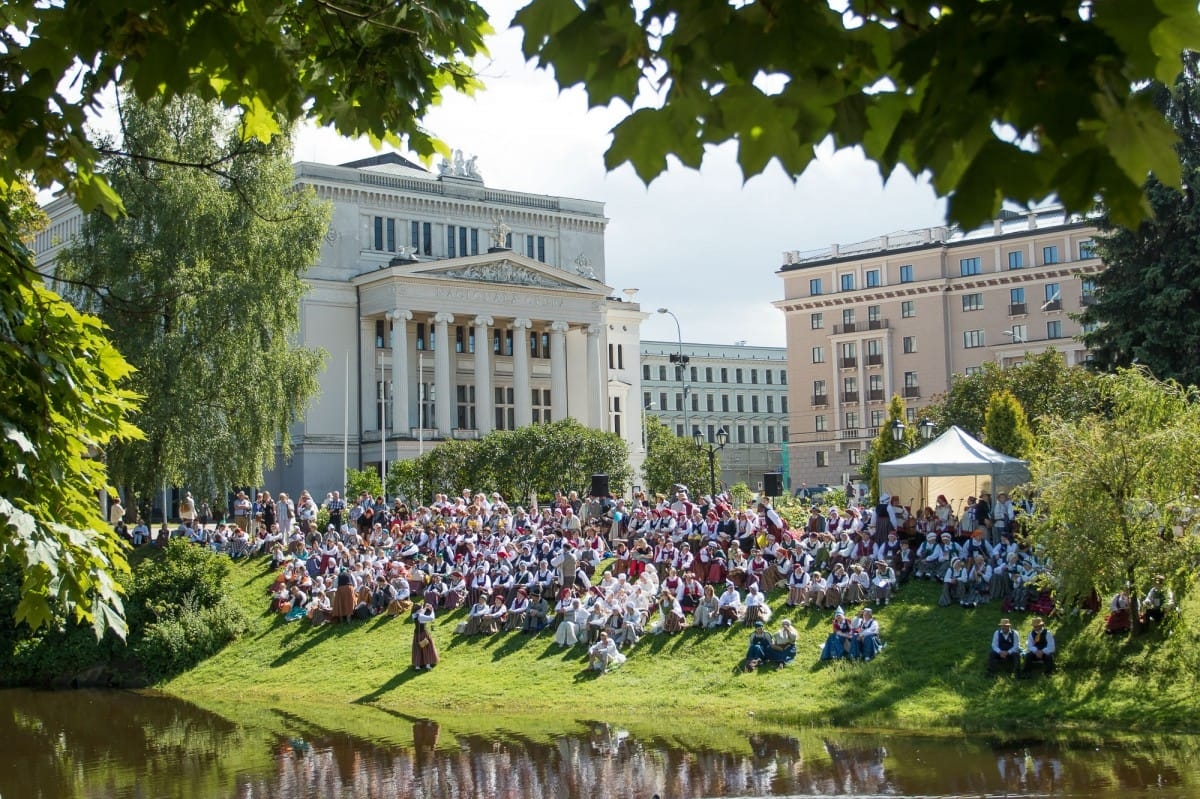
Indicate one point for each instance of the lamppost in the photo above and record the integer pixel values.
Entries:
(925, 427)
(681, 364)
(711, 451)
(649, 407)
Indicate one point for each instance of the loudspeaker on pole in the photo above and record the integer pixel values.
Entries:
(773, 484)
(599, 485)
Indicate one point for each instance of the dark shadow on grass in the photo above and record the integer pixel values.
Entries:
(395, 682)
(318, 636)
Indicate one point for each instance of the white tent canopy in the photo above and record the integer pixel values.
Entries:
(953, 464)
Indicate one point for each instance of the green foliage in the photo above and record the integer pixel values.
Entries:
(1043, 384)
(518, 463)
(360, 480)
(994, 100)
(1147, 308)
(740, 493)
(672, 459)
(368, 69)
(200, 285)
(1005, 428)
(184, 572)
(186, 635)
(1116, 489)
(884, 448)
(65, 402)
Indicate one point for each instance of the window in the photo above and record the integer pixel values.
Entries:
(848, 318)
(770, 403)
(738, 375)
(1053, 297)
(1050, 255)
(910, 344)
(817, 320)
(741, 403)
(505, 413)
(973, 370)
(708, 374)
(877, 418)
(451, 250)
(972, 339)
(908, 309)
(724, 403)
(972, 302)
(420, 335)
(819, 388)
(910, 415)
(847, 282)
(1016, 259)
(724, 375)
(818, 355)
(851, 420)
(854, 455)
(741, 434)
(769, 374)
(710, 403)
(1087, 249)
(874, 316)
(874, 352)
(662, 372)
(848, 352)
(646, 371)
(383, 338)
(875, 386)
(421, 237)
(1020, 334)
(822, 458)
(872, 278)
(679, 400)
(466, 407)
(970, 266)
(906, 273)
(850, 389)
(616, 415)
(770, 434)
(1054, 329)
(695, 401)
(695, 374)
(814, 287)
(535, 247)
(620, 353)
(378, 233)
(754, 403)
(755, 434)
(460, 338)
(662, 401)
(1016, 296)
(783, 404)
(753, 376)
(910, 379)
(820, 424)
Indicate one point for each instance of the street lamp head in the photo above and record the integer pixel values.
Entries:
(697, 438)
(663, 310)
(926, 428)
(898, 431)
(722, 437)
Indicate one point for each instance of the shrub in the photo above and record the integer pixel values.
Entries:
(186, 635)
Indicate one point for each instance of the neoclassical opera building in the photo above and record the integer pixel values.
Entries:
(448, 309)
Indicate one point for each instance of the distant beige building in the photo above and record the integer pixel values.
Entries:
(904, 313)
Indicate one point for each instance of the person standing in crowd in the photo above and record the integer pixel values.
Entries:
(424, 651)
(1039, 648)
(1005, 653)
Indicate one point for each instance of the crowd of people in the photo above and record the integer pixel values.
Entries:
(665, 564)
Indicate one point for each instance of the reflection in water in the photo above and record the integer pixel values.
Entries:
(90, 744)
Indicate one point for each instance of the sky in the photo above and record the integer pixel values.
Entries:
(704, 244)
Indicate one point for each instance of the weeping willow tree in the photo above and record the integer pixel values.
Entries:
(200, 284)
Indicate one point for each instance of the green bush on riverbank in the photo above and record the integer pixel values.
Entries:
(930, 676)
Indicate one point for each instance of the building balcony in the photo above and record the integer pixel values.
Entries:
(850, 432)
(848, 327)
(848, 363)
(1087, 299)
(820, 399)
(874, 360)
(1017, 309)
(877, 324)
(912, 391)
(850, 396)
(1052, 305)
(875, 396)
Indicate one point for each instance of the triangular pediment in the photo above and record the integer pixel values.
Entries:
(503, 269)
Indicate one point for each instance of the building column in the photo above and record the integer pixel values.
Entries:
(483, 375)
(444, 401)
(368, 374)
(558, 370)
(522, 391)
(595, 383)
(401, 412)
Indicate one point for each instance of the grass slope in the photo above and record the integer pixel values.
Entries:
(931, 676)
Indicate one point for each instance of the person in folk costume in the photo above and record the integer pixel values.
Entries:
(814, 594)
(685, 560)
(424, 651)
(781, 569)
(691, 593)
(747, 531)
(857, 586)
(640, 557)
(955, 584)
(517, 609)
(757, 608)
(1039, 648)
(979, 582)
(604, 654)
(757, 567)
(478, 618)
(729, 605)
(538, 615)
(797, 584)
(841, 637)
(712, 560)
(497, 614)
(597, 620)
(864, 630)
(888, 551)
(1005, 653)
(928, 557)
(835, 585)
(883, 520)
(1118, 619)
(708, 612)
(883, 583)
(949, 553)
(737, 567)
(574, 623)
(672, 614)
(456, 591)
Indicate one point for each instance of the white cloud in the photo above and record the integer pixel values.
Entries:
(701, 243)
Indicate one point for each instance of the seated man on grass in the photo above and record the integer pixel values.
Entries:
(1039, 648)
(1005, 654)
